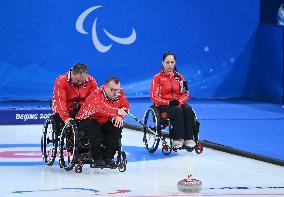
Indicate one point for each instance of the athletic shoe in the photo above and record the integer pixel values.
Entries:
(189, 143)
(110, 162)
(178, 143)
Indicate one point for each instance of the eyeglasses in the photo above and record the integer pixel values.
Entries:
(114, 90)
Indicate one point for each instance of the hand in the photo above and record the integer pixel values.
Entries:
(117, 122)
(174, 102)
(122, 112)
(67, 121)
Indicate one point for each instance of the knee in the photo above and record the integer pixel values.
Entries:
(176, 111)
(188, 109)
(117, 133)
(87, 124)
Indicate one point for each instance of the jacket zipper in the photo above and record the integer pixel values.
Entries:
(172, 88)
(78, 94)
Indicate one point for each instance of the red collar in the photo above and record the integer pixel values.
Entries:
(168, 75)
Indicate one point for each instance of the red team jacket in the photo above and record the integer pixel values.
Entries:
(165, 88)
(98, 107)
(66, 93)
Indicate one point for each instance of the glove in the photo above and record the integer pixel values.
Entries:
(174, 102)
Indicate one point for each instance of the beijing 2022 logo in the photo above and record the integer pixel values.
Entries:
(98, 45)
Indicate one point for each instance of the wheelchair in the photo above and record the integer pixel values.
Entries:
(50, 138)
(157, 127)
(71, 146)
(51, 135)
(75, 151)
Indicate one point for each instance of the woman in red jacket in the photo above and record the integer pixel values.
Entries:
(169, 93)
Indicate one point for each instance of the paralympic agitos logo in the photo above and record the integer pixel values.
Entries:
(98, 45)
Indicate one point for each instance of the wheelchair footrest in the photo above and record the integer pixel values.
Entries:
(104, 166)
(190, 149)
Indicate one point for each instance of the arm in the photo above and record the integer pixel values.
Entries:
(184, 98)
(124, 107)
(60, 100)
(155, 92)
(94, 85)
(95, 105)
(124, 104)
(185, 95)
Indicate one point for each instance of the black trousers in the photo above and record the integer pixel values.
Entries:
(107, 135)
(58, 122)
(182, 119)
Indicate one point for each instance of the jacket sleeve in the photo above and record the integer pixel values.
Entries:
(94, 85)
(95, 106)
(124, 102)
(185, 95)
(60, 100)
(155, 92)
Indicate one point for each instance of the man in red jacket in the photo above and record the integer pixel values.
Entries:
(70, 91)
(101, 116)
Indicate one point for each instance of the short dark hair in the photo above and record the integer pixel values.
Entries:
(167, 54)
(79, 68)
(112, 78)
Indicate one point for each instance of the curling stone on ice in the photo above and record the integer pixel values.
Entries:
(189, 185)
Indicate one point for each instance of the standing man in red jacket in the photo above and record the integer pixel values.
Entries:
(102, 117)
(70, 91)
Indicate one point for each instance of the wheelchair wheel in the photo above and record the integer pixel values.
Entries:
(121, 167)
(198, 148)
(122, 164)
(68, 146)
(196, 130)
(166, 133)
(79, 167)
(49, 141)
(166, 149)
(152, 131)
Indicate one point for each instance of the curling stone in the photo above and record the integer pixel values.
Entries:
(189, 185)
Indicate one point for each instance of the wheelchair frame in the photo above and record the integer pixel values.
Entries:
(74, 148)
(153, 134)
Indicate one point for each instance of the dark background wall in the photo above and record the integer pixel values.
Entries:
(268, 10)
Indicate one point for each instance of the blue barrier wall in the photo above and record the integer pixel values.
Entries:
(268, 63)
(214, 42)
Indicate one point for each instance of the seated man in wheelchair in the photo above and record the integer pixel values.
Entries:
(101, 116)
(169, 92)
(70, 91)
